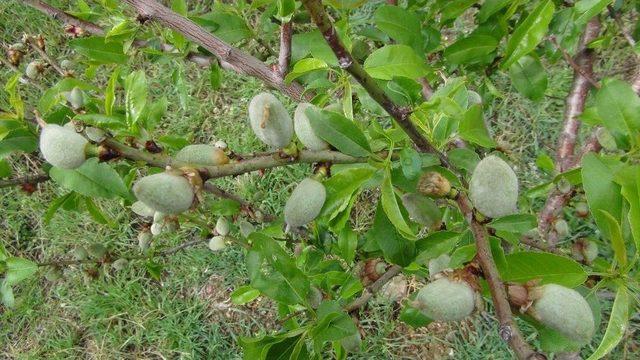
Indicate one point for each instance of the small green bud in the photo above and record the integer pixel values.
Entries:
(493, 188)
(62, 147)
(564, 310)
(582, 210)
(156, 229)
(314, 297)
(304, 131)
(217, 243)
(66, 64)
(446, 300)
(164, 192)
(606, 140)
(94, 134)
(220, 144)
(270, 121)
(222, 226)
(34, 69)
(158, 217)
(305, 203)
(564, 186)
(202, 155)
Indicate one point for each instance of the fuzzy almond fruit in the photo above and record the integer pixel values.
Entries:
(270, 120)
(202, 155)
(164, 192)
(493, 188)
(305, 203)
(304, 131)
(217, 243)
(446, 300)
(62, 147)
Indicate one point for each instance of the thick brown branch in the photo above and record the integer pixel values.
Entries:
(246, 63)
(286, 32)
(427, 90)
(400, 115)
(64, 17)
(28, 179)
(373, 288)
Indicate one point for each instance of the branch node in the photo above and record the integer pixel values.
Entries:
(505, 332)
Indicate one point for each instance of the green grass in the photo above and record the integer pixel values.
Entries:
(187, 314)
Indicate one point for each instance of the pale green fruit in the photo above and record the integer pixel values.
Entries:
(94, 134)
(304, 131)
(446, 300)
(120, 264)
(246, 228)
(270, 121)
(220, 144)
(562, 228)
(142, 209)
(158, 217)
(584, 250)
(564, 310)
(75, 98)
(493, 188)
(473, 97)
(66, 64)
(97, 251)
(217, 243)
(438, 264)
(62, 147)
(305, 202)
(156, 229)
(352, 343)
(222, 226)
(202, 155)
(33, 70)
(166, 193)
(144, 240)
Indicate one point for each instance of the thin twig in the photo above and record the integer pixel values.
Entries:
(27, 179)
(576, 67)
(43, 54)
(286, 31)
(373, 288)
(17, 70)
(539, 245)
(66, 18)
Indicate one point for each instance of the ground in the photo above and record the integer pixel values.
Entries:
(188, 314)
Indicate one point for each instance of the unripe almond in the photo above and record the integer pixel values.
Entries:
(156, 229)
(582, 209)
(164, 192)
(493, 188)
(305, 202)
(62, 147)
(304, 131)
(433, 184)
(202, 155)
(438, 264)
(246, 228)
(94, 134)
(352, 343)
(270, 121)
(446, 300)
(216, 243)
(158, 217)
(222, 226)
(584, 250)
(562, 228)
(563, 310)
(144, 240)
(34, 69)
(606, 140)
(142, 209)
(75, 98)
(120, 264)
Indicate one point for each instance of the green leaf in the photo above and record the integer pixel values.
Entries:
(100, 51)
(244, 294)
(411, 162)
(619, 107)
(96, 213)
(92, 179)
(529, 77)
(54, 206)
(395, 60)
(303, 67)
(215, 75)
(135, 96)
(333, 323)
(584, 10)
(422, 209)
(340, 188)
(286, 9)
(549, 268)
(345, 4)
(518, 223)
(614, 233)
(528, 33)
(6, 292)
(110, 91)
(5, 168)
(395, 248)
(601, 190)
(347, 244)
(338, 131)
(629, 179)
(471, 49)
(464, 158)
(103, 121)
(19, 269)
(229, 27)
(391, 208)
(413, 317)
(18, 140)
(180, 86)
(490, 7)
(436, 244)
(401, 25)
(472, 128)
(11, 87)
(618, 323)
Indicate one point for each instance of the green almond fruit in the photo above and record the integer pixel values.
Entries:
(446, 300)
(585, 250)
(120, 264)
(75, 98)
(305, 203)
(563, 310)
(142, 209)
(438, 264)
(217, 243)
(202, 155)
(352, 343)
(304, 131)
(222, 226)
(270, 120)
(164, 192)
(493, 188)
(62, 147)
(33, 70)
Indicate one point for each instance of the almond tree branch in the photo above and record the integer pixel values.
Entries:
(400, 114)
(373, 288)
(27, 179)
(508, 328)
(284, 58)
(246, 63)
(43, 54)
(574, 106)
(64, 17)
(23, 79)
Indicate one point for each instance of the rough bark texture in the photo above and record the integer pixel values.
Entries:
(284, 58)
